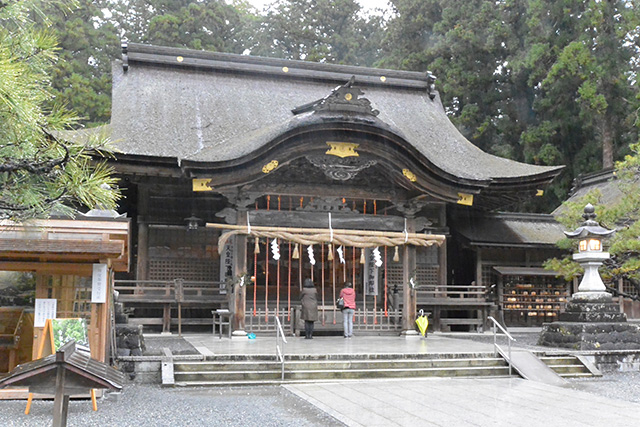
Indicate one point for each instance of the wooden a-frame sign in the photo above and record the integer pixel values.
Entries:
(46, 348)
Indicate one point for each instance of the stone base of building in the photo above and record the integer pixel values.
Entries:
(591, 335)
(591, 321)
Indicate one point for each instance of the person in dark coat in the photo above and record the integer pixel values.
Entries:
(309, 300)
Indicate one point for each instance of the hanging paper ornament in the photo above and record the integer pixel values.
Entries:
(362, 260)
(275, 249)
(312, 260)
(396, 256)
(377, 258)
(256, 248)
(296, 254)
(341, 254)
(330, 253)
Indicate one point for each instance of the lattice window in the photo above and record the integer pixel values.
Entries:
(427, 256)
(428, 275)
(488, 275)
(206, 270)
(178, 253)
(628, 288)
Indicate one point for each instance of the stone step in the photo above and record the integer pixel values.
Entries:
(240, 377)
(567, 366)
(211, 366)
(349, 356)
(577, 375)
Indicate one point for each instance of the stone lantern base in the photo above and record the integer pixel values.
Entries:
(591, 321)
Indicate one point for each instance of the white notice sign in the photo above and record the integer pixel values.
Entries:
(45, 309)
(99, 283)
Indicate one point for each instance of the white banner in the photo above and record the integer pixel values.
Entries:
(99, 283)
(45, 309)
(370, 273)
(226, 265)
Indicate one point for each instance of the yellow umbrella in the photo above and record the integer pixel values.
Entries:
(423, 323)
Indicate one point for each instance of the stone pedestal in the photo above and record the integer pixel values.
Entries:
(591, 321)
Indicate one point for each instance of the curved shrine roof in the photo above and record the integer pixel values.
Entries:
(213, 107)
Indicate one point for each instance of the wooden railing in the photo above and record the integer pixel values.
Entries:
(155, 291)
(450, 293)
(470, 299)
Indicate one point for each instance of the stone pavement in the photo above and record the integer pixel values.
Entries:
(208, 345)
(464, 402)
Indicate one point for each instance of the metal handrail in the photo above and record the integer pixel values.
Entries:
(496, 347)
(279, 351)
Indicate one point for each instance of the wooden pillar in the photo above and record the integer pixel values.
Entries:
(142, 262)
(240, 267)
(442, 261)
(408, 294)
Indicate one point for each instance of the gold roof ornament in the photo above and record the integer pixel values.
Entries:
(465, 199)
(409, 175)
(342, 149)
(201, 184)
(270, 166)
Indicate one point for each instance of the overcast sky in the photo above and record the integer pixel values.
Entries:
(366, 4)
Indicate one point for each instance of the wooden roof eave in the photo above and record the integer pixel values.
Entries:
(430, 179)
(247, 64)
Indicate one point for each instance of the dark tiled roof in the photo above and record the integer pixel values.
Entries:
(510, 229)
(212, 107)
(604, 181)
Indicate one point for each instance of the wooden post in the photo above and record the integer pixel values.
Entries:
(240, 292)
(142, 270)
(408, 295)
(61, 401)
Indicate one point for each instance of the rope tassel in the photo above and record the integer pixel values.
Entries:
(330, 253)
(256, 248)
(396, 256)
(296, 253)
(362, 260)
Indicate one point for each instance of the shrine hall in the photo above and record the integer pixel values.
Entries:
(243, 176)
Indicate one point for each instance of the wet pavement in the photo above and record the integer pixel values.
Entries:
(465, 402)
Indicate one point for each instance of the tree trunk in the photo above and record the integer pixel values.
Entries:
(607, 144)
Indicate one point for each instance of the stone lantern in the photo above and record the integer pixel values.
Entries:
(590, 256)
(591, 319)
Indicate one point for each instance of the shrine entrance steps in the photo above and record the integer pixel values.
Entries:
(569, 366)
(227, 370)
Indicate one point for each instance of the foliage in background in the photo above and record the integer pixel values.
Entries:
(39, 173)
(547, 82)
(542, 81)
(623, 215)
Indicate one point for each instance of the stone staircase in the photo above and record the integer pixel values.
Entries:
(568, 366)
(264, 370)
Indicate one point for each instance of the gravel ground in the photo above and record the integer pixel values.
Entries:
(148, 405)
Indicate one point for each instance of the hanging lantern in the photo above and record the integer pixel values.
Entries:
(330, 253)
(256, 248)
(296, 254)
(396, 256)
(362, 260)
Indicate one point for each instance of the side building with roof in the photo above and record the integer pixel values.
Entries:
(245, 175)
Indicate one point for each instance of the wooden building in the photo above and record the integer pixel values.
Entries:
(64, 255)
(291, 155)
